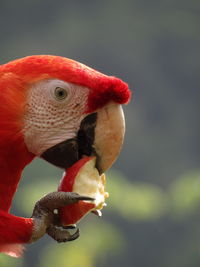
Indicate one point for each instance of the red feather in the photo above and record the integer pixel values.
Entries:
(103, 88)
(15, 78)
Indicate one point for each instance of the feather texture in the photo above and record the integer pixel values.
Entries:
(15, 80)
(103, 88)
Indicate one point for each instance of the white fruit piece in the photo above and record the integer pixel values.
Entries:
(88, 182)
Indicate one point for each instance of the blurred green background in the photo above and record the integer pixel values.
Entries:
(153, 214)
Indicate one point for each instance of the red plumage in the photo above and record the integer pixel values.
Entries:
(15, 78)
(103, 88)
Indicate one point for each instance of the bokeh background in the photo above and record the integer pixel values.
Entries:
(153, 214)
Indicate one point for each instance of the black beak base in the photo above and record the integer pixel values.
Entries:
(68, 152)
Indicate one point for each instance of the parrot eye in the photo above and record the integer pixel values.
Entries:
(60, 93)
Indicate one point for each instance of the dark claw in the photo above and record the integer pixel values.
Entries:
(85, 198)
(60, 234)
(74, 236)
(57, 200)
(73, 226)
(97, 213)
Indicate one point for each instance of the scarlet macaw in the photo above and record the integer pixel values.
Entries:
(60, 110)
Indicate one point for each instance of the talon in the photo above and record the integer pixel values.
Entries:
(60, 199)
(85, 198)
(70, 237)
(73, 226)
(60, 234)
(74, 236)
(97, 213)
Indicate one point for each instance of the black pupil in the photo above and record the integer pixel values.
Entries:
(61, 93)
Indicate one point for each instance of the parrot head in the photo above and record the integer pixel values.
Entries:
(61, 110)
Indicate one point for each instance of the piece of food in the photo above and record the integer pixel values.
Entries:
(83, 178)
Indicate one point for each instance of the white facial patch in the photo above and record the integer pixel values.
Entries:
(53, 113)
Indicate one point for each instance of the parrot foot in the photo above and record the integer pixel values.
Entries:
(60, 234)
(46, 220)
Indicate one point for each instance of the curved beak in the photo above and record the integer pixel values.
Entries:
(101, 134)
(109, 135)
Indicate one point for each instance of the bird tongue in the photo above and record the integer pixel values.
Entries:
(84, 179)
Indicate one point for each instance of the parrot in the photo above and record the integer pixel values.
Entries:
(59, 110)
